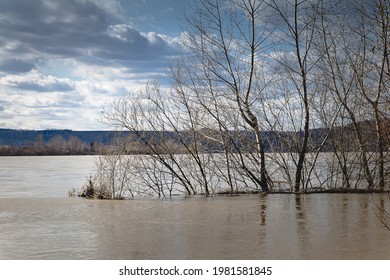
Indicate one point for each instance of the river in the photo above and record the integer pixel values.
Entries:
(39, 221)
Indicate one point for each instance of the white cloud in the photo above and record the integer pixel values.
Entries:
(39, 101)
(61, 62)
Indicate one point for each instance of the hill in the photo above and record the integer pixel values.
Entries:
(25, 138)
(65, 141)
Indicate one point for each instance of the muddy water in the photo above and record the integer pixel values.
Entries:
(39, 221)
(319, 226)
(46, 176)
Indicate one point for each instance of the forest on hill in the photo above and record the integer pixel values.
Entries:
(14, 142)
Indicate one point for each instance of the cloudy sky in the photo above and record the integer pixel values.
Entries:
(62, 61)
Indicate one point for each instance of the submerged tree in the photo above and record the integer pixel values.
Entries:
(295, 78)
(354, 69)
(383, 212)
(115, 172)
(225, 41)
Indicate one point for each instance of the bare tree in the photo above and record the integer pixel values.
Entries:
(224, 42)
(292, 77)
(113, 178)
(294, 58)
(354, 63)
(57, 145)
(382, 212)
(74, 145)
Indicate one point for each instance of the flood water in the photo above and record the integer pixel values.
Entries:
(39, 221)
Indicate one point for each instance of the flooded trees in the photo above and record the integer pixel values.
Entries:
(225, 42)
(172, 152)
(294, 59)
(355, 73)
(288, 94)
(114, 175)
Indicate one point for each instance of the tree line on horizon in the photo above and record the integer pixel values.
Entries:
(56, 145)
(68, 142)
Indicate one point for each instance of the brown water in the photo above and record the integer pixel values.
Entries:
(43, 176)
(317, 226)
(39, 221)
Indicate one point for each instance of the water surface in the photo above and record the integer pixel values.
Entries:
(39, 221)
(43, 176)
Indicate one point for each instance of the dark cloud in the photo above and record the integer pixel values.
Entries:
(92, 32)
(33, 86)
(15, 66)
(62, 61)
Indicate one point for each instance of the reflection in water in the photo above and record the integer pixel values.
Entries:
(317, 226)
(301, 222)
(263, 209)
